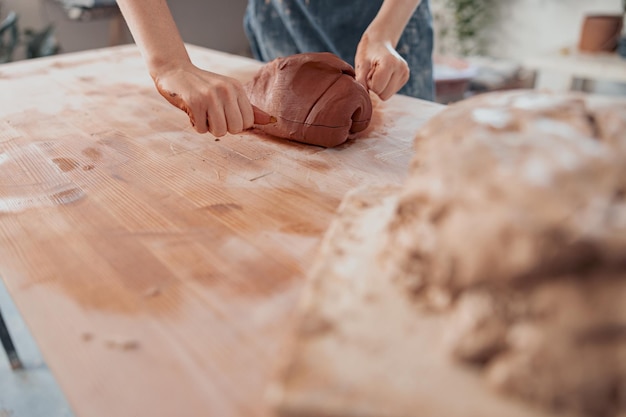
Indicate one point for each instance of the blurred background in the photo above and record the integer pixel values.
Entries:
(481, 45)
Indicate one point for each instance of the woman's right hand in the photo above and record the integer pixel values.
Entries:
(214, 103)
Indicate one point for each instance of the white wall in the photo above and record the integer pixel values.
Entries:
(526, 28)
(532, 27)
(217, 24)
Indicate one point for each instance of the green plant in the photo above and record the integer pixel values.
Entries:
(9, 37)
(472, 18)
(41, 43)
(466, 24)
(38, 43)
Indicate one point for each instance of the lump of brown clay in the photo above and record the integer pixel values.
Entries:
(314, 97)
(515, 214)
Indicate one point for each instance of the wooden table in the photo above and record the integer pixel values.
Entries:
(158, 268)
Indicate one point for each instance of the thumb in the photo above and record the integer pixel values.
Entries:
(262, 118)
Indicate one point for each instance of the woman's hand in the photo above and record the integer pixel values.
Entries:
(379, 67)
(213, 102)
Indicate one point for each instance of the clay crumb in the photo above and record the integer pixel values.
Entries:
(152, 292)
(122, 343)
(315, 325)
(370, 297)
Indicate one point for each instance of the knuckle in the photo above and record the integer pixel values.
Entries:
(222, 90)
(194, 101)
(405, 74)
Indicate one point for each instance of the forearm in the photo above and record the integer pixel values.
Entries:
(391, 20)
(155, 33)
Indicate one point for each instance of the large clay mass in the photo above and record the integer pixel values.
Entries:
(514, 220)
(314, 97)
(501, 260)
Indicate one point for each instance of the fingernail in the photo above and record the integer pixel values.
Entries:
(262, 118)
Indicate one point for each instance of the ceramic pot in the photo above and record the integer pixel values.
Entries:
(600, 33)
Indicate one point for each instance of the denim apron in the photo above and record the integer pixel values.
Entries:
(277, 28)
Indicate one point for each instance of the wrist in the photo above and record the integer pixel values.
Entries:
(376, 33)
(390, 21)
(159, 65)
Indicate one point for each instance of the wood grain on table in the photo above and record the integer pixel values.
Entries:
(157, 268)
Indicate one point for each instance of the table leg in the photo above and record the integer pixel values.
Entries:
(7, 343)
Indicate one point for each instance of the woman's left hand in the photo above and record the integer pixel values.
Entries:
(379, 67)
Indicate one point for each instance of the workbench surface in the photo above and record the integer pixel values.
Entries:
(158, 269)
